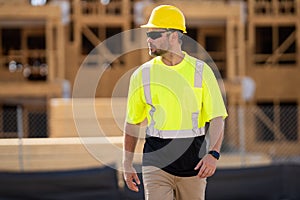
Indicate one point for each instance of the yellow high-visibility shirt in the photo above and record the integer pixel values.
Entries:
(174, 95)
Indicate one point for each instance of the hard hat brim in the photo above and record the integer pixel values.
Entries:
(149, 25)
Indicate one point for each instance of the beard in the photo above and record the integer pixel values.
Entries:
(158, 52)
(153, 51)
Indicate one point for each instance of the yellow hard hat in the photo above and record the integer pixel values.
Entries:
(166, 16)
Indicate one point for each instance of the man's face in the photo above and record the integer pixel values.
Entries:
(158, 41)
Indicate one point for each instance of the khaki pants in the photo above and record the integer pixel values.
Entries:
(160, 185)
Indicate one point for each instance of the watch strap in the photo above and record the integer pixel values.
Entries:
(215, 154)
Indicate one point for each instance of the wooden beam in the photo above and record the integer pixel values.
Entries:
(29, 12)
(191, 9)
(1, 51)
(251, 36)
(298, 39)
(250, 9)
(241, 49)
(77, 42)
(90, 35)
(60, 50)
(30, 89)
(105, 20)
(230, 49)
(96, 41)
(126, 7)
(280, 49)
(273, 126)
(61, 153)
(50, 50)
(101, 33)
(274, 20)
(275, 7)
(47, 154)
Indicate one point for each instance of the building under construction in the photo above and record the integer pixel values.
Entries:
(255, 45)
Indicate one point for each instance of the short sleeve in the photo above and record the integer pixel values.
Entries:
(136, 106)
(212, 103)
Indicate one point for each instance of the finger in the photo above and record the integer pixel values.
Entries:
(206, 173)
(132, 185)
(132, 180)
(136, 179)
(201, 171)
(134, 176)
(213, 171)
(198, 165)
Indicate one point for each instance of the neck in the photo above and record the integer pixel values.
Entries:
(172, 58)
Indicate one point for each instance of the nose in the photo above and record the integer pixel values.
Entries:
(149, 39)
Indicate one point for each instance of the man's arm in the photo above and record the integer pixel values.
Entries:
(208, 163)
(216, 133)
(131, 133)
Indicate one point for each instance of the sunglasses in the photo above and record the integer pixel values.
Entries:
(155, 34)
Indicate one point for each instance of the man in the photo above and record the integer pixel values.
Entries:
(177, 95)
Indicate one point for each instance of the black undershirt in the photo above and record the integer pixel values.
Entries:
(177, 156)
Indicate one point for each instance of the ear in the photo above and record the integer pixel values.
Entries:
(173, 37)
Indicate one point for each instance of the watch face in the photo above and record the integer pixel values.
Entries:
(215, 154)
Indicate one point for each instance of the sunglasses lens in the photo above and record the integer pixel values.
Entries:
(154, 35)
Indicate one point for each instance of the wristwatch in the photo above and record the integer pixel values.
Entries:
(215, 154)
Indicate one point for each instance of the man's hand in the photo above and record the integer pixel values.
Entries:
(131, 178)
(207, 166)
(130, 141)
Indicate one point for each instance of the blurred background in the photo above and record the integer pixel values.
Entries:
(254, 44)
